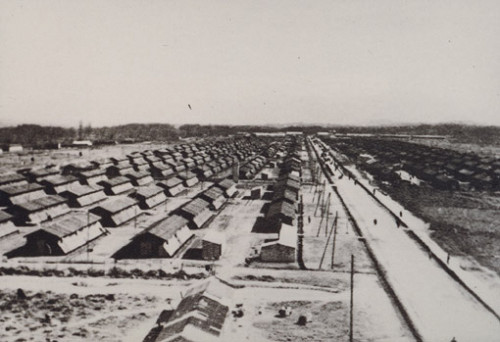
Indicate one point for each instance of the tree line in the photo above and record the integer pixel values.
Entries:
(46, 136)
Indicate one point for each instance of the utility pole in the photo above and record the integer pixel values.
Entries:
(352, 300)
(334, 237)
(317, 204)
(300, 236)
(88, 237)
(327, 208)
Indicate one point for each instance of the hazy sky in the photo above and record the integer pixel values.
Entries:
(249, 62)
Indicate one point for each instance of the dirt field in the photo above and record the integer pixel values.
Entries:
(55, 316)
(464, 224)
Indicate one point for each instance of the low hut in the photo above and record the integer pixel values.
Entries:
(149, 196)
(116, 186)
(214, 196)
(19, 193)
(228, 186)
(283, 249)
(197, 211)
(40, 210)
(59, 183)
(162, 240)
(172, 186)
(65, 235)
(84, 195)
(212, 245)
(117, 211)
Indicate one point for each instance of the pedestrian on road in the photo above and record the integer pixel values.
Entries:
(453, 339)
(309, 219)
(400, 214)
(448, 259)
(375, 221)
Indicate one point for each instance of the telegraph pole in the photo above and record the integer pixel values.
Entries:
(300, 236)
(352, 300)
(334, 238)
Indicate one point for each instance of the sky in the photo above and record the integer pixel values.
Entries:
(110, 62)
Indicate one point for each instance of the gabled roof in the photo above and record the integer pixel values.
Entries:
(281, 207)
(114, 205)
(186, 175)
(69, 224)
(167, 228)
(195, 206)
(42, 203)
(58, 180)
(13, 190)
(171, 182)
(115, 181)
(201, 308)
(137, 174)
(92, 173)
(149, 190)
(226, 184)
(81, 190)
(213, 193)
(43, 172)
(12, 177)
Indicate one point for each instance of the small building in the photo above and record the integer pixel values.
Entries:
(64, 235)
(15, 148)
(283, 193)
(289, 183)
(197, 211)
(173, 186)
(19, 193)
(119, 170)
(212, 245)
(283, 249)
(119, 160)
(281, 212)
(76, 167)
(81, 143)
(228, 186)
(84, 195)
(161, 171)
(199, 317)
(214, 196)
(58, 183)
(116, 186)
(102, 163)
(92, 177)
(12, 179)
(203, 172)
(162, 240)
(149, 196)
(40, 210)
(139, 164)
(189, 179)
(139, 178)
(36, 175)
(256, 192)
(115, 212)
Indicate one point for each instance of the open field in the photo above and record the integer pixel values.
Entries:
(464, 224)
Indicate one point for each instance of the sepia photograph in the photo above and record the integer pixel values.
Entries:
(249, 170)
